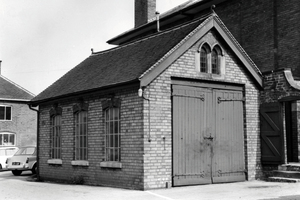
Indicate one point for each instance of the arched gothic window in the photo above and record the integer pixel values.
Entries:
(210, 60)
(216, 60)
(204, 59)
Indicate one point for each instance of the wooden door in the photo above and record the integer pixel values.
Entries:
(271, 133)
(191, 152)
(207, 135)
(228, 154)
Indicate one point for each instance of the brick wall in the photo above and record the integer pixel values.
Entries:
(267, 30)
(158, 153)
(131, 173)
(23, 124)
(277, 87)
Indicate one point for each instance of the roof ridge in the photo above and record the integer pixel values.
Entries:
(18, 86)
(151, 36)
(175, 9)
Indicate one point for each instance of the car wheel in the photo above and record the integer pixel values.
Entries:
(34, 169)
(16, 172)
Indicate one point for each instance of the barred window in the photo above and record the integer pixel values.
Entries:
(81, 135)
(56, 136)
(112, 131)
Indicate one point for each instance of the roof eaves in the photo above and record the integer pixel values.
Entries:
(11, 82)
(17, 100)
(70, 95)
(165, 19)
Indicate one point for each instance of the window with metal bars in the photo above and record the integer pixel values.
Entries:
(112, 133)
(5, 113)
(81, 135)
(55, 136)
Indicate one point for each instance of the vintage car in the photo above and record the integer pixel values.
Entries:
(6, 152)
(24, 159)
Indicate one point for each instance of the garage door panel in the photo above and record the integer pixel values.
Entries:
(228, 158)
(191, 151)
(207, 135)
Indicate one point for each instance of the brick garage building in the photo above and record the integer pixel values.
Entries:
(177, 107)
(268, 31)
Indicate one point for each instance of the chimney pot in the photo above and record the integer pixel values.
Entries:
(144, 11)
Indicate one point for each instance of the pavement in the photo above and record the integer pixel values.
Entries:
(25, 187)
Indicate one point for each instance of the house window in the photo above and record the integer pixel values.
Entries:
(5, 113)
(56, 136)
(7, 139)
(216, 60)
(112, 133)
(81, 135)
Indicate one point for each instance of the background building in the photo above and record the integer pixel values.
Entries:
(18, 123)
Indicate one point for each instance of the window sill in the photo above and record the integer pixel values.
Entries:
(54, 162)
(110, 164)
(80, 162)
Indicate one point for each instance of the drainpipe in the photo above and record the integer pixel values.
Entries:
(37, 140)
(141, 94)
(157, 20)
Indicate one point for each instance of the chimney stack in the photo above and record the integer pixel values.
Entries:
(144, 11)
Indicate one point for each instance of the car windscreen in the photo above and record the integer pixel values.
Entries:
(26, 151)
(8, 151)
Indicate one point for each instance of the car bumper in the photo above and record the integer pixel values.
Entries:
(18, 167)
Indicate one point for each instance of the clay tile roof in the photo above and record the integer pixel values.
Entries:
(12, 91)
(119, 65)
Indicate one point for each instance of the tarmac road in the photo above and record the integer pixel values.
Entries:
(23, 187)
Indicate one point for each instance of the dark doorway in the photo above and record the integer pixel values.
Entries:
(291, 133)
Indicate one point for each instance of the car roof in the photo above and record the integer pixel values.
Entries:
(9, 147)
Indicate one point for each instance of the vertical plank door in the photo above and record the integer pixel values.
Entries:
(228, 147)
(191, 124)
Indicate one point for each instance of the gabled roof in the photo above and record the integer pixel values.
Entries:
(141, 61)
(212, 22)
(118, 65)
(10, 91)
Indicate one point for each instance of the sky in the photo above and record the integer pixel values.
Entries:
(41, 40)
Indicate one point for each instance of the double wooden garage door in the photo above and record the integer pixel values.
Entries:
(208, 135)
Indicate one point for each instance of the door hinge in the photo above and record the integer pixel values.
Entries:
(221, 99)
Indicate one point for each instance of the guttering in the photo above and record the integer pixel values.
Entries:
(37, 140)
(23, 101)
(85, 92)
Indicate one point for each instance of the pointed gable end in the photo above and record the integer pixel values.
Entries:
(212, 22)
(10, 91)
